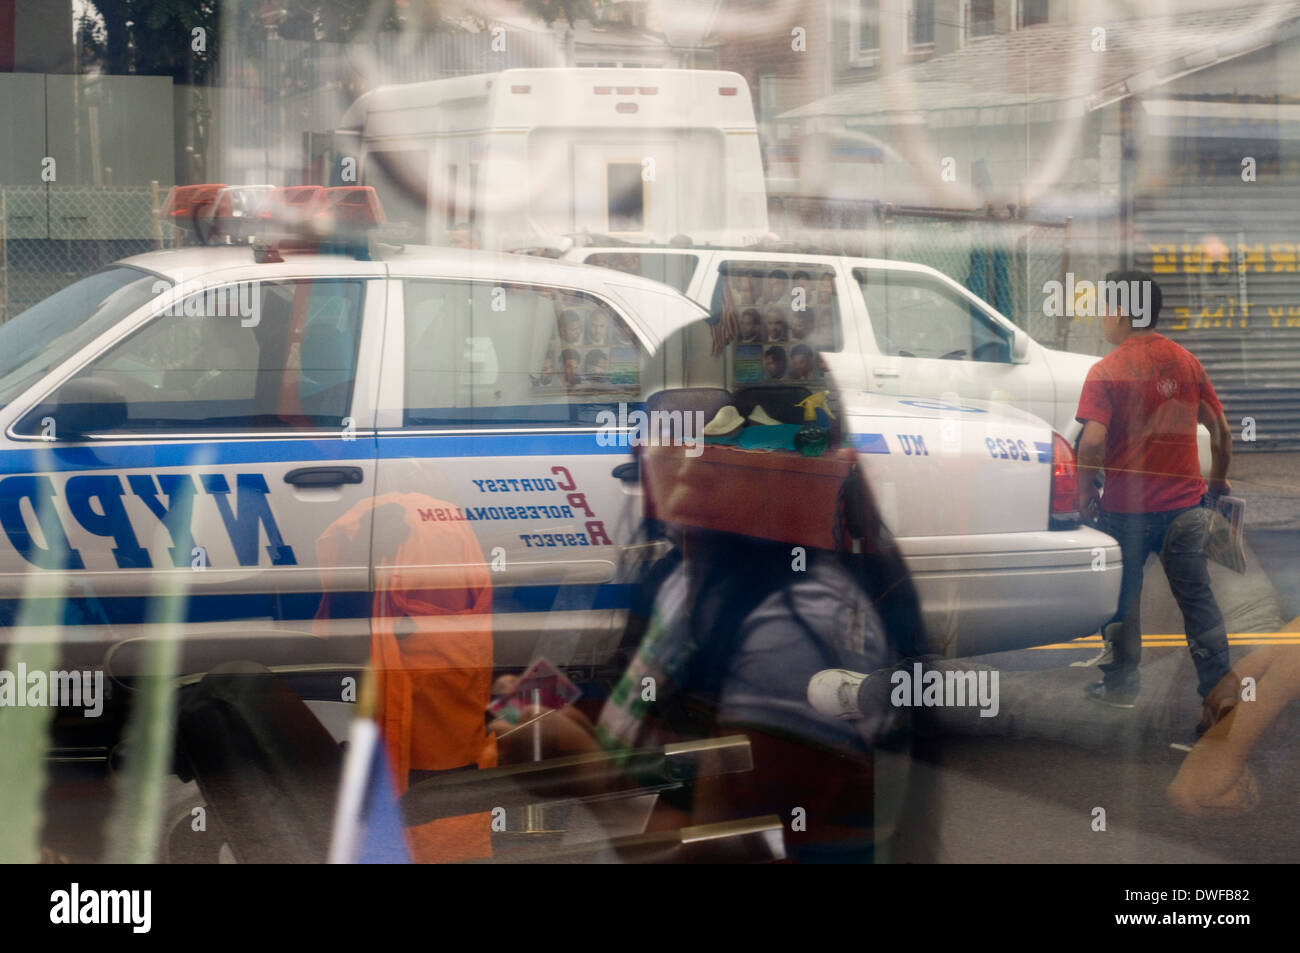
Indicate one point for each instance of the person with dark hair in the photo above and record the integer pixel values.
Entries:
(803, 366)
(776, 290)
(802, 280)
(1140, 406)
(569, 365)
(751, 326)
(730, 628)
(595, 367)
(803, 324)
(774, 363)
(825, 296)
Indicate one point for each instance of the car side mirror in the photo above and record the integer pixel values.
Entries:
(1019, 347)
(84, 405)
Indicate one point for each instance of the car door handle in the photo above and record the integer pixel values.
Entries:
(885, 371)
(629, 472)
(323, 476)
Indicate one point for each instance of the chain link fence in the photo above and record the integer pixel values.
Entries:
(50, 236)
(1004, 259)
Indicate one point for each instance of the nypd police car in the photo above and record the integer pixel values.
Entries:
(199, 420)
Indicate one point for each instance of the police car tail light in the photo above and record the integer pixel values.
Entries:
(1064, 510)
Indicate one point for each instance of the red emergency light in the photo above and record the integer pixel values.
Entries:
(350, 207)
(186, 206)
(299, 216)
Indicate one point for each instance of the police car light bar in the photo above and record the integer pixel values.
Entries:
(350, 207)
(239, 212)
(190, 207)
(305, 217)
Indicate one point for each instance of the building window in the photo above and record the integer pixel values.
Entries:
(981, 19)
(1030, 13)
(864, 30)
(920, 23)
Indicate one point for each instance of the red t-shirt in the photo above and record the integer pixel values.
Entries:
(1147, 393)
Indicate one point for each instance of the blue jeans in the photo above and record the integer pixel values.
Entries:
(1178, 537)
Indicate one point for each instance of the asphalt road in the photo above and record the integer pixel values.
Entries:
(1028, 791)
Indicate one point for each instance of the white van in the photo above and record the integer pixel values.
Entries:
(908, 329)
(525, 155)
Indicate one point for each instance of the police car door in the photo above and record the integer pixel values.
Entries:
(928, 340)
(205, 450)
(499, 389)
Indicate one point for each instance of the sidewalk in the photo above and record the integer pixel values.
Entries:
(1270, 485)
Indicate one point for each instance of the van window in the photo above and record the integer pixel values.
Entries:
(913, 315)
(249, 356)
(624, 197)
(778, 317)
(670, 269)
(481, 352)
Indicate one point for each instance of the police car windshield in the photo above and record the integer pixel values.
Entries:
(48, 333)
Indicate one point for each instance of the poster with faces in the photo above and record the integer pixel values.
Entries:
(590, 349)
(779, 322)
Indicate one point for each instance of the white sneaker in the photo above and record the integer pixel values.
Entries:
(1107, 653)
(833, 692)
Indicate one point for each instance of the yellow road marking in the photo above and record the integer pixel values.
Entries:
(1155, 641)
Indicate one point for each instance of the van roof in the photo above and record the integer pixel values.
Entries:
(554, 85)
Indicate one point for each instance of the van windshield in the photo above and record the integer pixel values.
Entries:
(46, 334)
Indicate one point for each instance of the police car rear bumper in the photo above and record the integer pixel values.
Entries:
(1001, 591)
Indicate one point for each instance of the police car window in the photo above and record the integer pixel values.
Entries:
(671, 269)
(48, 333)
(255, 355)
(778, 318)
(478, 352)
(915, 316)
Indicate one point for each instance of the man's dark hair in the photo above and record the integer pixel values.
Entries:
(1155, 299)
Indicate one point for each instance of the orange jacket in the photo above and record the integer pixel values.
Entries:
(430, 650)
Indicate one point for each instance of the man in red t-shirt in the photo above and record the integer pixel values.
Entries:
(1140, 406)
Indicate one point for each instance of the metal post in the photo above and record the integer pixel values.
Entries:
(1063, 333)
(154, 214)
